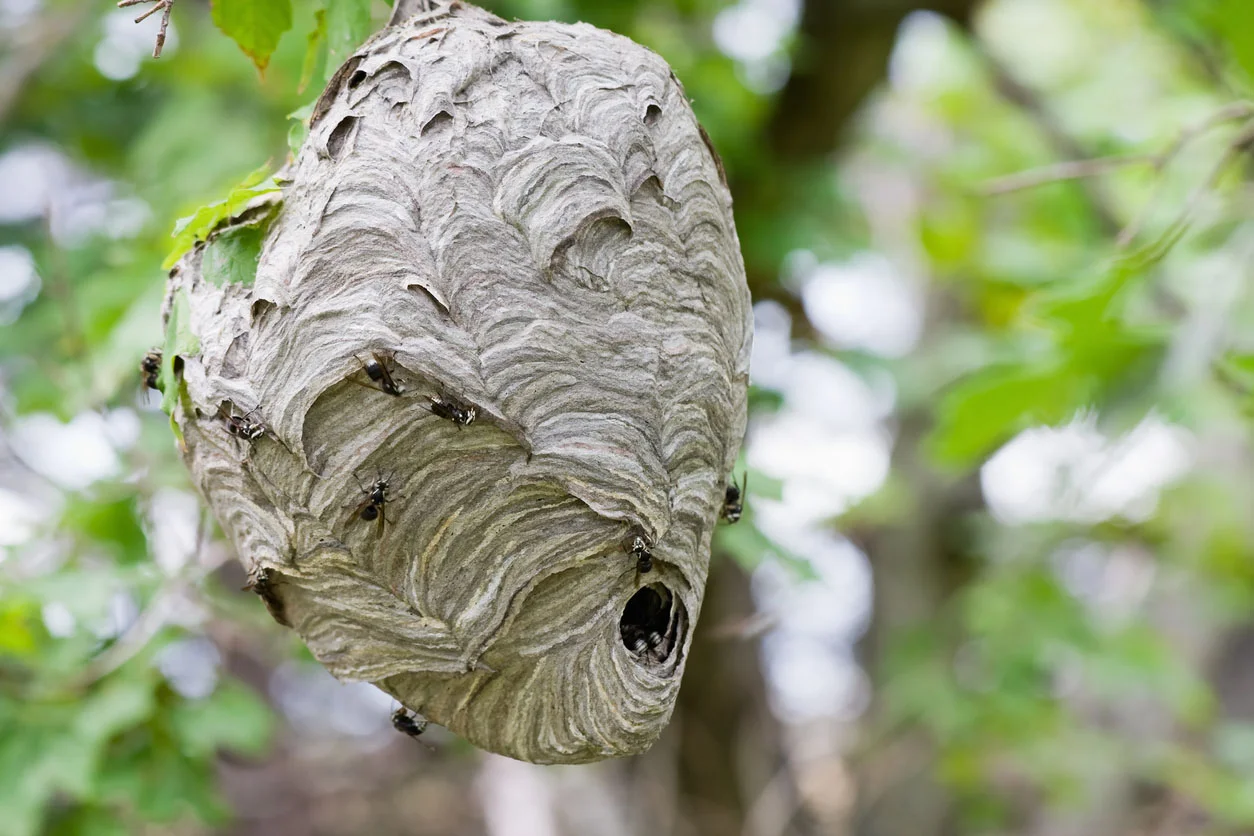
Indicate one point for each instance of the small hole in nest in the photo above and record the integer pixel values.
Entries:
(649, 626)
(339, 136)
(356, 78)
(651, 114)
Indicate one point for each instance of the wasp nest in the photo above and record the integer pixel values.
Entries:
(471, 424)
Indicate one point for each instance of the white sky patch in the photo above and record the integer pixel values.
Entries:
(58, 619)
(123, 612)
(72, 455)
(190, 666)
(17, 273)
(41, 181)
(924, 60)
(31, 173)
(20, 517)
(824, 471)
(173, 517)
(122, 427)
(753, 33)
(15, 13)
(809, 653)
(832, 394)
(772, 353)
(812, 682)
(113, 217)
(125, 45)
(515, 798)
(864, 304)
(834, 607)
(829, 447)
(752, 30)
(1075, 473)
(318, 704)
(1112, 581)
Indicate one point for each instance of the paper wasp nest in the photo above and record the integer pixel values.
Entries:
(523, 221)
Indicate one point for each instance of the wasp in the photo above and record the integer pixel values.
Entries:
(262, 583)
(377, 370)
(650, 644)
(373, 506)
(733, 500)
(640, 549)
(461, 414)
(409, 724)
(150, 368)
(243, 426)
(642, 642)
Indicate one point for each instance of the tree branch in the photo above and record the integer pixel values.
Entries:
(163, 6)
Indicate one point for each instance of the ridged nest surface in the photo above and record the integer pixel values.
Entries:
(495, 356)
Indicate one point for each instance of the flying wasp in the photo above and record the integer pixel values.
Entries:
(446, 406)
(376, 369)
(733, 500)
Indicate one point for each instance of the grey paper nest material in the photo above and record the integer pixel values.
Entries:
(525, 218)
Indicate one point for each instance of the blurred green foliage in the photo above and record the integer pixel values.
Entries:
(1051, 316)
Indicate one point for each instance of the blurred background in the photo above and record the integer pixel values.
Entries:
(996, 569)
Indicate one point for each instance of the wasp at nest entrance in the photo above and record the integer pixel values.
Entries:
(652, 624)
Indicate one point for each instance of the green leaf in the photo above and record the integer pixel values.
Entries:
(161, 784)
(231, 256)
(87, 821)
(1233, 22)
(233, 717)
(988, 408)
(254, 25)
(18, 620)
(120, 703)
(348, 25)
(300, 127)
(108, 523)
(315, 50)
(179, 340)
(197, 227)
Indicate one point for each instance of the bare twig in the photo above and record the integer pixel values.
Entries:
(1082, 169)
(1034, 106)
(1177, 228)
(1058, 172)
(1228, 113)
(163, 6)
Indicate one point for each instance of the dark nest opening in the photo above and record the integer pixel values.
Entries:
(652, 624)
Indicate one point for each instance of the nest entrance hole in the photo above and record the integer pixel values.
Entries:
(651, 624)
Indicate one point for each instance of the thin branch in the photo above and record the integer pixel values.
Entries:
(1083, 169)
(163, 6)
(1240, 144)
(1034, 106)
(1059, 172)
(1228, 113)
